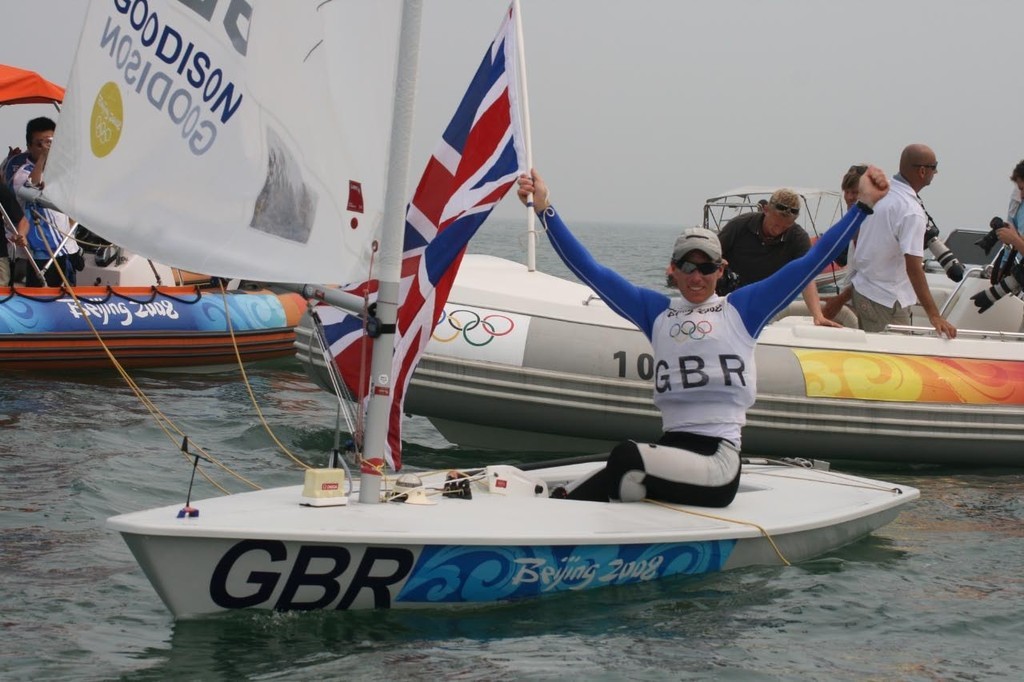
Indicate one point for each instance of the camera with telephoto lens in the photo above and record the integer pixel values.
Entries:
(990, 239)
(1007, 285)
(942, 253)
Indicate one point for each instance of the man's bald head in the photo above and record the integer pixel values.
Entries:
(918, 165)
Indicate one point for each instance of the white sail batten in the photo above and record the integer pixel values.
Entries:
(266, 118)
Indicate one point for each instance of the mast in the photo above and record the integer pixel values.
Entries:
(390, 257)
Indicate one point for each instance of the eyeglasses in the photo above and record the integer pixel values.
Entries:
(782, 208)
(933, 166)
(703, 268)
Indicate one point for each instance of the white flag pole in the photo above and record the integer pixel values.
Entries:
(531, 218)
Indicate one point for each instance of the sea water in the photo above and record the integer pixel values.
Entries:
(938, 594)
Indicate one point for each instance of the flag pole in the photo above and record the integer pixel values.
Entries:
(531, 218)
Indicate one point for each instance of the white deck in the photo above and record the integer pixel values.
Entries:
(781, 500)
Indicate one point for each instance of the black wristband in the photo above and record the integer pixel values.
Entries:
(864, 207)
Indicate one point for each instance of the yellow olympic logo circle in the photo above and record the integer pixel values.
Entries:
(107, 120)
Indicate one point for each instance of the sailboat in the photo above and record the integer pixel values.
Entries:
(489, 534)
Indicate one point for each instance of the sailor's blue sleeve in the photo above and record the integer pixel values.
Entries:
(759, 302)
(637, 304)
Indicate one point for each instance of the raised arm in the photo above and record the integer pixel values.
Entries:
(637, 304)
(759, 302)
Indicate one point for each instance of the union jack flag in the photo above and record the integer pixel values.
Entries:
(476, 162)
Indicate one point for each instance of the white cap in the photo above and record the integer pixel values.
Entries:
(697, 239)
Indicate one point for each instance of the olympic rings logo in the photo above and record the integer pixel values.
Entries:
(103, 132)
(691, 329)
(476, 330)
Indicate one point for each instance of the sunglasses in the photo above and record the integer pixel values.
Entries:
(933, 166)
(703, 268)
(782, 208)
(859, 168)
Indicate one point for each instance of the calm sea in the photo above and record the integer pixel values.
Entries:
(937, 595)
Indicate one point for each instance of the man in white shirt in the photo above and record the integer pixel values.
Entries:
(889, 259)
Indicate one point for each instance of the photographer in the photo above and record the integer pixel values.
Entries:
(1009, 233)
(1009, 236)
(1007, 269)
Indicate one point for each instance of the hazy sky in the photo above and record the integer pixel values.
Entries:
(642, 109)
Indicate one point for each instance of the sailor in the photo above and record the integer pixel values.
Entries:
(704, 353)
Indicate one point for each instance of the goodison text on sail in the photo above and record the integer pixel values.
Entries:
(176, 96)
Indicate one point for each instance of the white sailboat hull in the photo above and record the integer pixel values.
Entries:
(583, 381)
(265, 550)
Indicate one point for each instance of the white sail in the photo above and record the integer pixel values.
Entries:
(269, 120)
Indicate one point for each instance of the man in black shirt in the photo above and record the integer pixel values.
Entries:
(757, 244)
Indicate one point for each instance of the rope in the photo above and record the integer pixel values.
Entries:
(166, 424)
(842, 479)
(428, 491)
(86, 242)
(248, 384)
(354, 418)
(341, 392)
(765, 533)
(435, 491)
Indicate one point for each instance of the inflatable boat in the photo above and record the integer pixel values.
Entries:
(183, 324)
(532, 361)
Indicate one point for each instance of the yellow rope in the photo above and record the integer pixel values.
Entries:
(842, 480)
(248, 385)
(77, 239)
(163, 421)
(763, 532)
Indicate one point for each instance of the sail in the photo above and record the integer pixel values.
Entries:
(237, 139)
(477, 160)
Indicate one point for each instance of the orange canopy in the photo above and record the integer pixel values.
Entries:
(18, 86)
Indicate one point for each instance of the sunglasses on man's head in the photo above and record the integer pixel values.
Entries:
(703, 268)
(859, 168)
(782, 208)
